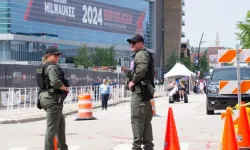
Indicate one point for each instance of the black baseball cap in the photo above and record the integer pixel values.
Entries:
(135, 39)
(52, 50)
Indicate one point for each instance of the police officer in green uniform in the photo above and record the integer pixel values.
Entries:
(142, 92)
(50, 100)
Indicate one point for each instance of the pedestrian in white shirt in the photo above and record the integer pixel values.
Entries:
(105, 93)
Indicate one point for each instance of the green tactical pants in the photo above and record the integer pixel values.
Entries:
(55, 121)
(141, 116)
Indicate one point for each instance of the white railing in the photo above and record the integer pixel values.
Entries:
(21, 102)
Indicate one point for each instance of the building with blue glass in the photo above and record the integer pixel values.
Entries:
(28, 27)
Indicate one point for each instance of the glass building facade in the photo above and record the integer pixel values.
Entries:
(28, 27)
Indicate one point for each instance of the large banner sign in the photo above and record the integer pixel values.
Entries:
(25, 76)
(87, 14)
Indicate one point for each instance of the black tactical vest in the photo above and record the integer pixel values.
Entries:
(42, 79)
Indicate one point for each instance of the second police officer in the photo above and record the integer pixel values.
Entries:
(142, 88)
(53, 90)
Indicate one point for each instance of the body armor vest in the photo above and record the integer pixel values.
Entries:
(42, 79)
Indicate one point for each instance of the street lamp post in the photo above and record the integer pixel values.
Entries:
(162, 32)
(199, 52)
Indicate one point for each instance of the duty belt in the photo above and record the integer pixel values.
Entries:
(145, 82)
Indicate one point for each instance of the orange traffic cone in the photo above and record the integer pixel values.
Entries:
(236, 121)
(153, 106)
(229, 136)
(55, 144)
(85, 107)
(243, 134)
(223, 115)
(171, 136)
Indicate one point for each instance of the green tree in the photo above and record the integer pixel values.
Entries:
(244, 34)
(110, 59)
(187, 62)
(204, 65)
(172, 60)
(104, 56)
(83, 57)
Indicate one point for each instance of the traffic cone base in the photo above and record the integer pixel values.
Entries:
(243, 134)
(90, 118)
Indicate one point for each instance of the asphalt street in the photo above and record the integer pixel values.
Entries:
(112, 130)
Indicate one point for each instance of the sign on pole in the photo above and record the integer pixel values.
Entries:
(230, 55)
(237, 86)
(238, 51)
(118, 69)
(231, 87)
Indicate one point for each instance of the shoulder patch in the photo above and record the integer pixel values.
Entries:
(39, 70)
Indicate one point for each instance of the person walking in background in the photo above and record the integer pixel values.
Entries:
(105, 93)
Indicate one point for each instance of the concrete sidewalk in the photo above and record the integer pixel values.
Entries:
(23, 115)
(111, 130)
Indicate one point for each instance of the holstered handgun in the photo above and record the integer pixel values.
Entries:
(145, 90)
(63, 94)
(38, 104)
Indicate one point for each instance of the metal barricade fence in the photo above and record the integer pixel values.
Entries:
(19, 101)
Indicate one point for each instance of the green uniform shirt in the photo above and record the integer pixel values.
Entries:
(53, 73)
(141, 63)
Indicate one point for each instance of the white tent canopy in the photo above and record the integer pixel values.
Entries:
(179, 70)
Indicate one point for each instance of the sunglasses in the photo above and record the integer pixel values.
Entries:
(56, 55)
(133, 43)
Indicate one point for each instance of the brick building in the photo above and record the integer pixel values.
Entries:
(169, 24)
(211, 54)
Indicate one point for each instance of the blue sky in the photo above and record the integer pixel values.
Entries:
(210, 16)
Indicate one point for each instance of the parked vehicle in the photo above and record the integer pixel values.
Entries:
(216, 101)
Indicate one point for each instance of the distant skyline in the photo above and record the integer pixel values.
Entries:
(210, 16)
